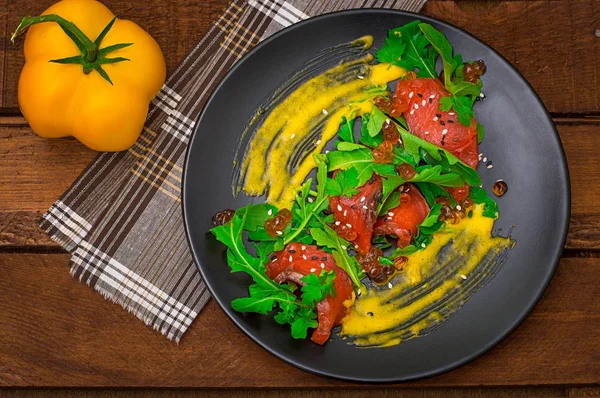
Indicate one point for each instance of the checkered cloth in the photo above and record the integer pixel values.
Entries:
(121, 220)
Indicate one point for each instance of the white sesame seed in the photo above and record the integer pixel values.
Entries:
(401, 188)
(304, 257)
(274, 259)
(451, 113)
(390, 285)
(489, 166)
(416, 106)
(411, 95)
(279, 233)
(391, 214)
(343, 247)
(310, 200)
(463, 276)
(499, 180)
(293, 136)
(387, 121)
(327, 151)
(318, 142)
(458, 208)
(313, 269)
(365, 207)
(358, 292)
(339, 208)
(435, 119)
(427, 133)
(485, 159)
(337, 223)
(363, 199)
(444, 131)
(325, 112)
(423, 102)
(481, 154)
(290, 258)
(423, 245)
(481, 95)
(345, 213)
(412, 111)
(349, 225)
(303, 247)
(360, 77)
(270, 212)
(322, 265)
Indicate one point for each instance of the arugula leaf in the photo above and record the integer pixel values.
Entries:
(381, 242)
(480, 133)
(346, 159)
(257, 214)
(462, 106)
(410, 249)
(392, 201)
(348, 146)
(431, 192)
(443, 47)
(375, 122)
(317, 287)
(433, 174)
(432, 217)
(385, 261)
(344, 183)
(416, 54)
(365, 138)
(401, 156)
(346, 132)
(301, 325)
(480, 196)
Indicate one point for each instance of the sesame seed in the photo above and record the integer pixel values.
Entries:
(358, 292)
(423, 245)
(427, 133)
(337, 223)
(390, 285)
(270, 212)
(339, 208)
(325, 112)
(435, 119)
(481, 95)
(345, 213)
(293, 136)
(310, 200)
(391, 214)
(303, 247)
(416, 106)
(412, 111)
(360, 77)
(499, 180)
(430, 101)
(322, 266)
(411, 95)
(387, 121)
(401, 188)
(304, 257)
(444, 131)
(313, 269)
(451, 113)
(327, 151)
(349, 225)
(290, 258)
(442, 123)
(279, 233)
(344, 247)
(485, 159)
(458, 208)
(481, 154)
(365, 207)
(489, 166)
(450, 121)
(273, 259)
(423, 102)
(363, 199)
(432, 96)
(420, 95)
(318, 142)
(463, 276)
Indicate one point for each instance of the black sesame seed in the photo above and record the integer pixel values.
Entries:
(324, 259)
(353, 207)
(314, 258)
(438, 114)
(420, 95)
(292, 251)
(369, 313)
(488, 163)
(430, 100)
(450, 121)
(442, 123)
(273, 258)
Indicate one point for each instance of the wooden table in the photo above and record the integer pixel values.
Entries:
(57, 332)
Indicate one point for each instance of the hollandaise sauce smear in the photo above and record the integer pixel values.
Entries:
(434, 284)
(303, 115)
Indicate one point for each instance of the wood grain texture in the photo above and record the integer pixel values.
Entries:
(34, 172)
(58, 332)
(551, 42)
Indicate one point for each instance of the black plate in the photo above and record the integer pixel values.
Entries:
(520, 140)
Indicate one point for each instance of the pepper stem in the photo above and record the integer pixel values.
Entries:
(92, 56)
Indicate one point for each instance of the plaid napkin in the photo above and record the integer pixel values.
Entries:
(122, 220)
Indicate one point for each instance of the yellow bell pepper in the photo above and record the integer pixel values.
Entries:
(88, 75)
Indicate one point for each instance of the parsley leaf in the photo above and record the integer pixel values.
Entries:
(344, 183)
(392, 50)
(317, 287)
(480, 196)
(462, 106)
(305, 321)
(346, 132)
(416, 54)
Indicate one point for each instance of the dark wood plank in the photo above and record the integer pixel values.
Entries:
(519, 392)
(34, 172)
(55, 331)
(551, 43)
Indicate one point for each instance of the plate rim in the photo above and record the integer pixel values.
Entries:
(423, 374)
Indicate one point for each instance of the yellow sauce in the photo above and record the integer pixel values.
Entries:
(309, 117)
(434, 284)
